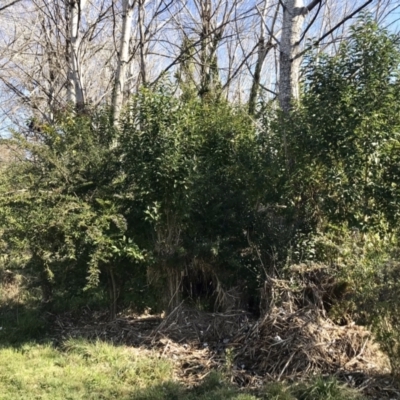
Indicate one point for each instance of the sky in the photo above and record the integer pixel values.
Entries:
(165, 46)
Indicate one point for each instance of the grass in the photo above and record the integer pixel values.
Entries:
(327, 389)
(96, 370)
(80, 370)
(21, 319)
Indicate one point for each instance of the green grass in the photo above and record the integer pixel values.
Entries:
(96, 370)
(81, 370)
(327, 389)
(84, 370)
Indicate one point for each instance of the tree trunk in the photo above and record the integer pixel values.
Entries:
(75, 86)
(142, 41)
(120, 76)
(210, 36)
(262, 53)
(263, 49)
(289, 65)
(205, 47)
(294, 14)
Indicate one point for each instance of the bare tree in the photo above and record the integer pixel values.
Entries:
(293, 33)
(55, 52)
(123, 58)
(73, 17)
(289, 63)
(264, 46)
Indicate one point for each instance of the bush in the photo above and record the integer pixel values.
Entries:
(195, 172)
(171, 194)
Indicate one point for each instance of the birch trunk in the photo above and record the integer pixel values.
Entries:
(294, 13)
(289, 65)
(75, 85)
(120, 76)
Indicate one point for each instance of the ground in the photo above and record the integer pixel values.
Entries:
(248, 352)
(295, 351)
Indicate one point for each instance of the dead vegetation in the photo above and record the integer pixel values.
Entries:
(295, 344)
(10, 290)
(295, 340)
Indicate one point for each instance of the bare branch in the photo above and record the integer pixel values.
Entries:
(9, 5)
(334, 28)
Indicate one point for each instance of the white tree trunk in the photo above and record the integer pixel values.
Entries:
(75, 85)
(294, 13)
(288, 63)
(120, 76)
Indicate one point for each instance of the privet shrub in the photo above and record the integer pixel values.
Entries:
(170, 198)
(343, 150)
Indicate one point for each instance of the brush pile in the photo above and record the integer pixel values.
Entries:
(187, 325)
(297, 338)
(303, 342)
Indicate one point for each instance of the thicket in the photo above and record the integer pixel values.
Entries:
(196, 200)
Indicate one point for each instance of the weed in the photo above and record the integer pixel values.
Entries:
(278, 391)
(326, 389)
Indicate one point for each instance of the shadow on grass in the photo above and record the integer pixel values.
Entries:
(213, 388)
(25, 318)
(22, 323)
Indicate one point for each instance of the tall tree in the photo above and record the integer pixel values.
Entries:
(263, 48)
(75, 84)
(92, 51)
(209, 37)
(294, 13)
(123, 59)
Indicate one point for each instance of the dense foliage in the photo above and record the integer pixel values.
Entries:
(170, 195)
(194, 199)
(349, 129)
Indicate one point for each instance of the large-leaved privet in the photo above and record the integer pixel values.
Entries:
(346, 137)
(193, 168)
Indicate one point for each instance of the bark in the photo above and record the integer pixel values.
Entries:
(289, 65)
(205, 47)
(294, 14)
(210, 37)
(123, 60)
(263, 49)
(75, 85)
(262, 53)
(142, 41)
(52, 74)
